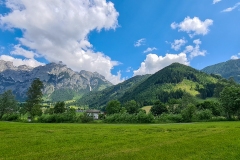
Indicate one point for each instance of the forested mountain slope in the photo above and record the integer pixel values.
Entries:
(172, 81)
(100, 98)
(227, 69)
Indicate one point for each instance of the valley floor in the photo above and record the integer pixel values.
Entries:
(213, 140)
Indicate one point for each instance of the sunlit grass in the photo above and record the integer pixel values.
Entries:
(188, 86)
(215, 140)
(147, 108)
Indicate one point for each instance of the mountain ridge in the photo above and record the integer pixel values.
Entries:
(228, 69)
(172, 81)
(54, 77)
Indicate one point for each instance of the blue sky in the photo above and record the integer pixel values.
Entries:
(119, 38)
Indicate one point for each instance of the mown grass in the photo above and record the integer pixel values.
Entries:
(215, 140)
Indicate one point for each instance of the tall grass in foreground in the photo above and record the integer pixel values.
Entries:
(213, 140)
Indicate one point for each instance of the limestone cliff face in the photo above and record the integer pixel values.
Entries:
(54, 77)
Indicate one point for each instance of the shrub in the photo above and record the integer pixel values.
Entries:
(144, 118)
(57, 118)
(84, 118)
(204, 114)
(47, 118)
(11, 117)
(188, 113)
(101, 116)
(170, 118)
(129, 118)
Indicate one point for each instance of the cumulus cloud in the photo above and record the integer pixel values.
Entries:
(140, 42)
(235, 56)
(22, 52)
(19, 62)
(58, 31)
(216, 1)
(193, 26)
(178, 43)
(231, 8)
(195, 51)
(154, 63)
(150, 50)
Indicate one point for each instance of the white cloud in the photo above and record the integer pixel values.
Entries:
(216, 1)
(150, 50)
(231, 8)
(154, 63)
(58, 31)
(140, 42)
(19, 62)
(178, 43)
(22, 52)
(174, 25)
(195, 51)
(234, 57)
(129, 69)
(193, 26)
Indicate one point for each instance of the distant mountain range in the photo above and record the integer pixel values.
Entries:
(227, 69)
(92, 89)
(60, 82)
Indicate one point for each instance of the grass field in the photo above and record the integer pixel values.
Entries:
(215, 140)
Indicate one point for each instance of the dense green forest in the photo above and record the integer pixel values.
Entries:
(171, 82)
(62, 95)
(100, 98)
(226, 69)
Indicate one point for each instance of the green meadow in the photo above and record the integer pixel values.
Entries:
(212, 140)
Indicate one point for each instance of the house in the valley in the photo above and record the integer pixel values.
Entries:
(93, 113)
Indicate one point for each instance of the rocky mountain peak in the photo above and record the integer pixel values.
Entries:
(4, 65)
(55, 76)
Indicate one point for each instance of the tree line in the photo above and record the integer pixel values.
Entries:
(177, 106)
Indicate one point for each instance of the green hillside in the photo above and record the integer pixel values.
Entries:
(227, 69)
(100, 98)
(172, 82)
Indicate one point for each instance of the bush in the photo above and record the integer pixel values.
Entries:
(144, 118)
(170, 118)
(101, 116)
(47, 118)
(204, 114)
(57, 118)
(188, 113)
(129, 118)
(11, 117)
(84, 118)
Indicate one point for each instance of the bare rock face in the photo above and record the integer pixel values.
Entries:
(54, 77)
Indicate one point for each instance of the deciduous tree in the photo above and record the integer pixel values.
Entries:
(158, 108)
(131, 107)
(113, 106)
(59, 107)
(230, 99)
